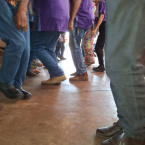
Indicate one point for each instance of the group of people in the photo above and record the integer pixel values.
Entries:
(125, 42)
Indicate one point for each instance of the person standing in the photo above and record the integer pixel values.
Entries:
(60, 47)
(87, 43)
(53, 20)
(125, 43)
(14, 31)
(82, 20)
(100, 24)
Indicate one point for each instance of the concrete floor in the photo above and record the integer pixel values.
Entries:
(68, 114)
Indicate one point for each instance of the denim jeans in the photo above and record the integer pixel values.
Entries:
(32, 56)
(43, 46)
(75, 41)
(125, 42)
(16, 53)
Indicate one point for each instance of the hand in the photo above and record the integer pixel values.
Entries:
(93, 32)
(70, 25)
(21, 22)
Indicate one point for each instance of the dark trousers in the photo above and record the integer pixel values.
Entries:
(100, 43)
(60, 47)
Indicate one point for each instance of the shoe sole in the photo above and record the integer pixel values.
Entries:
(58, 83)
(79, 80)
(99, 71)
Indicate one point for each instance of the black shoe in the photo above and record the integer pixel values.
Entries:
(107, 132)
(122, 139)
(115, 140)
(100, 68)
(26, 94)
(10, 91)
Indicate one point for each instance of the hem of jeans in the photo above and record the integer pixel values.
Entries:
(128, 133)
(17, 86)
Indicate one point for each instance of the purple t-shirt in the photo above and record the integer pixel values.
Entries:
(85, 15)
(53, 14)
(102, 9)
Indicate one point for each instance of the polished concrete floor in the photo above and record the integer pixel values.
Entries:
(68, 114)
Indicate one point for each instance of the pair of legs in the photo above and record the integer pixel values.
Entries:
(60, 47)
(88, 47)
(75, 39)
(125, 43)
(33, 61)
(43, 46)
(17, 50)
(99, 48)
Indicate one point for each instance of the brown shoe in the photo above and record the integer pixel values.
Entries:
(107, 132)
(122, 139)
(54, 80)
(83, 77)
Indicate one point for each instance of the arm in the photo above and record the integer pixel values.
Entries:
(100, 20)
(74, 6)
(21, 17)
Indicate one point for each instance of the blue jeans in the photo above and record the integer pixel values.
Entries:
(32, 56)
(75, 41)
(125, 42)
(16, 54)
(43, 46)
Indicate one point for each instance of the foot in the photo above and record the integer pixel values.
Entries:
(36, 71)
(107, 132)
(39, 64)
(10, 91)
(54, 80)
(122, 139)
(26, 94)
(100, 68)
(73, 74)
(82, 77)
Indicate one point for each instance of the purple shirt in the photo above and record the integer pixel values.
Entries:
(53, 14)
(85, 15)
(102, 9)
